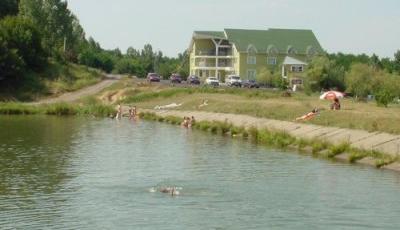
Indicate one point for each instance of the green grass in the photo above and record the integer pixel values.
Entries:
(59, 109)
(266, 103)
(143, 96)
(338, 149)
(55, 79)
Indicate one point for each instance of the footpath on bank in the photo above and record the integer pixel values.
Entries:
(87, 91)
(360, 139)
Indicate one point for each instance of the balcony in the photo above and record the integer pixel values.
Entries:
(212, 53)
(212, 66)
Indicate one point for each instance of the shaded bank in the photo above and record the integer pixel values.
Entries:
(280, 136)
(60, 109)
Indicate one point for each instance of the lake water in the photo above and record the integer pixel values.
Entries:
(79, 173)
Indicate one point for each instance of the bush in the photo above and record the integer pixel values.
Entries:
(20, 46)
(384, 97)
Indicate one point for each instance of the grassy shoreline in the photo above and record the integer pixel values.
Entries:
(282, 140)
(262, 103)
(59, 109)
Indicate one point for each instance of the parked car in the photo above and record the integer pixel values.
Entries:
(175, 78)
(193, 80)
(250, 84)
(153, 77)
(233, 80)
(213, 81)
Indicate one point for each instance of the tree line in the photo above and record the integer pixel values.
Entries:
(358, 75)
(137, 62)
(32, 32)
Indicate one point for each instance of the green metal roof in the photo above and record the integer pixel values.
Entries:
(281, 39)
(263, 40)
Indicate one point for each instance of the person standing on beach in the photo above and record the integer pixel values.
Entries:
(134, 111)
(119, 112)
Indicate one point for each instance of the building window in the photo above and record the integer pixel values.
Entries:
(297, 68)
(251, 74)
(271, 60)
(251, 60)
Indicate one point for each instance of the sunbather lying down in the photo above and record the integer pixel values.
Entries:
(205, 103)
(173, 105)
(308, 116)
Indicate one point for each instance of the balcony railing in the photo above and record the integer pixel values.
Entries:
(213, 53)
(212, 65)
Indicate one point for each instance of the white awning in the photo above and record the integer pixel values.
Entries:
(293, 61)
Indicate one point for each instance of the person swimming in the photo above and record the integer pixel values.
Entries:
(170, 190)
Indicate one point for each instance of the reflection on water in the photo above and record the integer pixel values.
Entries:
(76, 173)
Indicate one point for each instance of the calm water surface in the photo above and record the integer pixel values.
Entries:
(77, 173)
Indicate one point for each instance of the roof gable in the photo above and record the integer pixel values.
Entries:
(209, 34)
(293, 61)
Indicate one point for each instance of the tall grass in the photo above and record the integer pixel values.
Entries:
(59, 109)
(172, 92)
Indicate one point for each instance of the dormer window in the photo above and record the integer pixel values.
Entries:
(251, 55)
(291, 50)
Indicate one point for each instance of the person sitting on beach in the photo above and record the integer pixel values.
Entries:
(335, 105)
(308, 116)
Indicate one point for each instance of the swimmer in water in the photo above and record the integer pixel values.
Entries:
(170, 190)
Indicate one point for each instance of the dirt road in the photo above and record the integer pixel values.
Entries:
(73, 96)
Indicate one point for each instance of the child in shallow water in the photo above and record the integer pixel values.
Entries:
(185, 123)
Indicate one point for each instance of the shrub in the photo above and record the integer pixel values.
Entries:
(338, 149)
(318, 146)
(384, 97)
(60, 109)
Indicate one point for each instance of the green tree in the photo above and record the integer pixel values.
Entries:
(376, 62)
(57, 24)
(184, 65)
(396, 63)
(11, 64)
(21, 47)
(323, 73)
(265, 77)
(359, 80)
(132, 53)
(386, 88)
(8, 8)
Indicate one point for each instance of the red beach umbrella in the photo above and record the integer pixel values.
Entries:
(331, 95)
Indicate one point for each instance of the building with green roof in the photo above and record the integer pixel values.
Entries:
(247, 52)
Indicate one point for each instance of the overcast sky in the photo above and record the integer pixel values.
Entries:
(349, 26)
